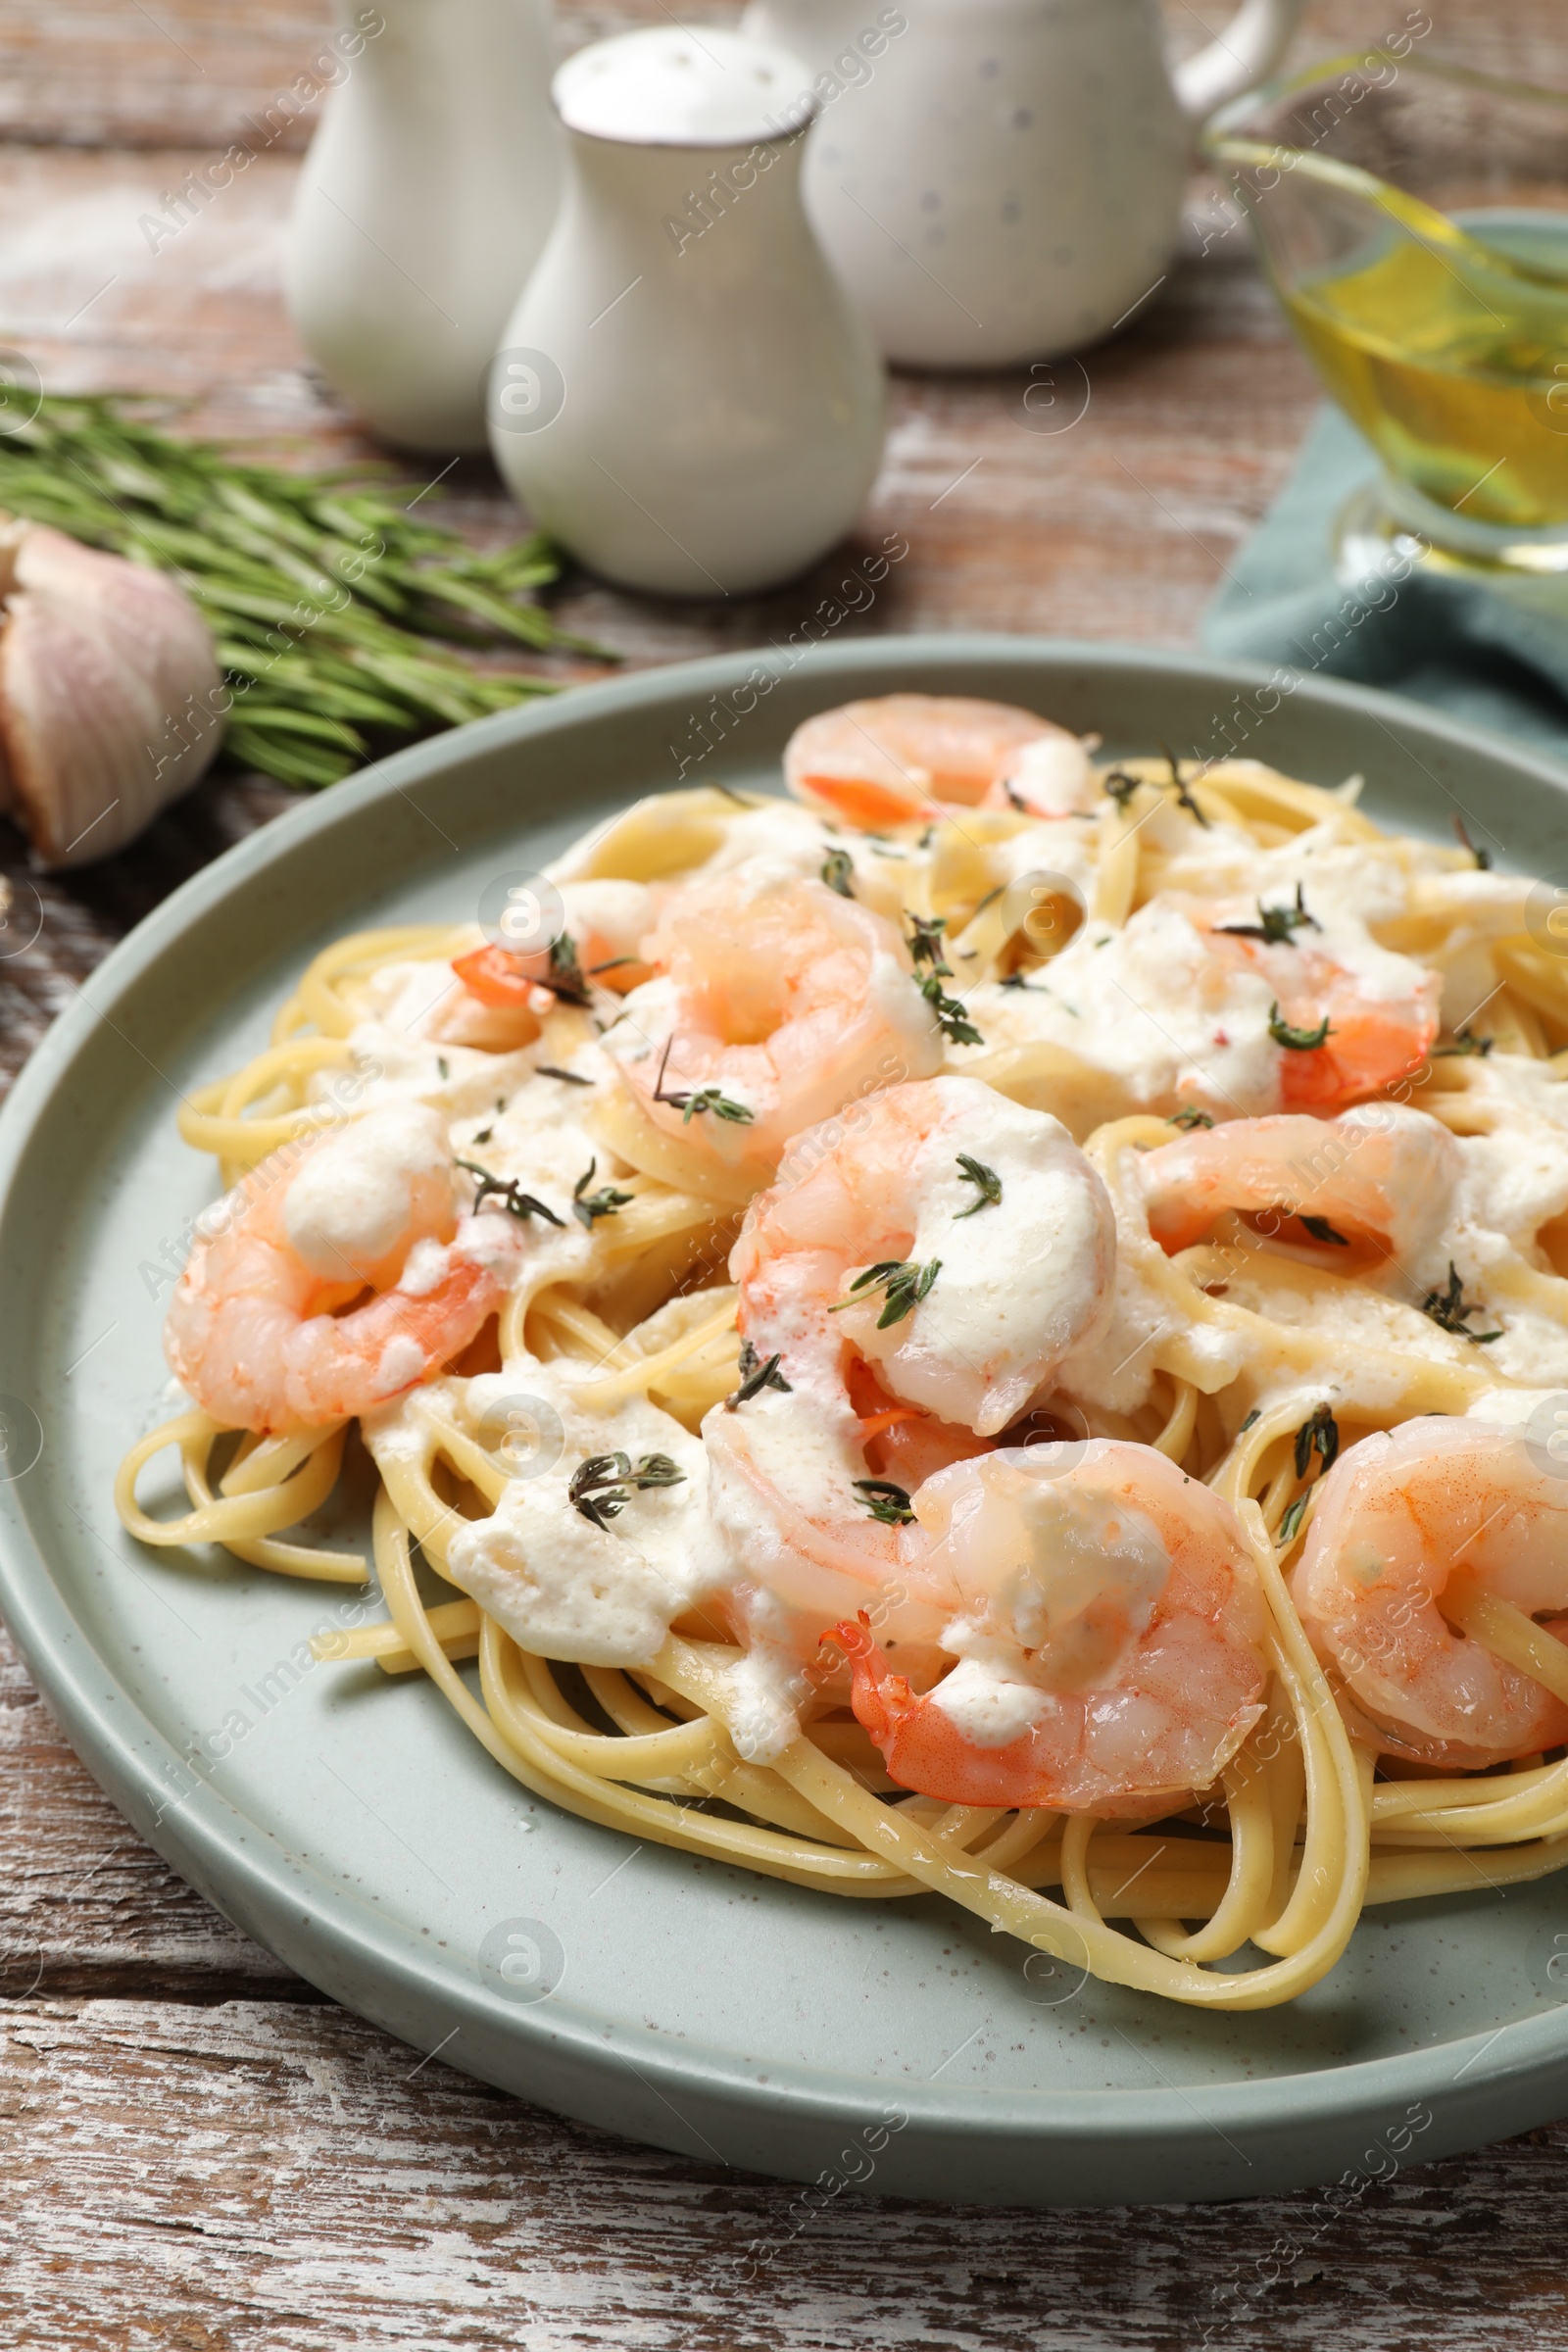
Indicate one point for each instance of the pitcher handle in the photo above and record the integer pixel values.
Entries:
(1245, 54)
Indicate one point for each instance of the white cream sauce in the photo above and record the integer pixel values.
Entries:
(559, 1583)
(1022, 1281)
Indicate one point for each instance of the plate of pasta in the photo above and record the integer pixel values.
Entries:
(856, 1447)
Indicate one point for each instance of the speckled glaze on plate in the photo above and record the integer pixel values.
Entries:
(352, 1827)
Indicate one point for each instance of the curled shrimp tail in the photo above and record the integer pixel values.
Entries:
(920, 1745)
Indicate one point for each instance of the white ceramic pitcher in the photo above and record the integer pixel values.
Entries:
(685, 396)
(1000, 180)
(422, 205)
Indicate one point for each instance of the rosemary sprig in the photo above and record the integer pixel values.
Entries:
(587, 1205)
(1322, 1231)
(885, 1501)
(838, 872)
(601, 1487)
(704, 1098)
(508, 1191)
(975, 1171)
(904, 1284)
(756, 1374)
(1448, 1310)
(322, 590)
(1299, 1041)
(1188, 1117)
(1276, 924)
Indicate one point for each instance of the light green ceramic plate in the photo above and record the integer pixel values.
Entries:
(356, 1830)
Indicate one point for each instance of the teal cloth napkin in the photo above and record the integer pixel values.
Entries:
(1495, 653)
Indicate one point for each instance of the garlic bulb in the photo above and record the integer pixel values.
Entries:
(111, 699)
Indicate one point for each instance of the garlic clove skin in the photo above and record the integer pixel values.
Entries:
(111, 699)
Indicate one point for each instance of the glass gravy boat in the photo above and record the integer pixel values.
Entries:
(1413, 219)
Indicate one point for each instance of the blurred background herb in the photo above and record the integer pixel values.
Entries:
(322, 591)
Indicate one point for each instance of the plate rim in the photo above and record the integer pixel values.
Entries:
(212, 1842)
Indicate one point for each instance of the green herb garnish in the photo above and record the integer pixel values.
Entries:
(756, 1374)
(1183, 792)
(885, 1501)
(1120, 786)
(587, 1205)
(1188, 1117)
(1254, 1415)
(1483, 857)
(549, 1069)
(1275, 924)
(1322, 1231)
(1291, 1521)
(976, 1172)
(601, 1488)
(322, 590)
(838, 872)
(1465, 1041)
(705, 1098)
(925, 946)
(1319, 1434)
(508, 1193)
(1449, 1309)
(1299, 1041)
(905, 1283)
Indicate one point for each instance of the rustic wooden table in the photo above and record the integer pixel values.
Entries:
(198, 2151)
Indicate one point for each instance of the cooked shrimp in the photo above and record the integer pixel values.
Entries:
(1349, 1018)
(916, 1278)
(252, 1332)
(1380, 1173)
(1397, 1518)
(1108, 1626)
(1181, 1011)
(777, 1000)
(506, 989)
(893, 760)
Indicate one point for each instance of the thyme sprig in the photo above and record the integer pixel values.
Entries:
(550, 1069)
(1120, 786)
(508, 1192)
(601, 1487)
(1465, 1041)
(1182, 791)
(1322, 1231)
(925, 947)
(323, 591)
(885, 1501)
(1319, 1433)
(1482, 858)
(904, 1282)
(1450, 1309)
(1299, 1041)
(587, 1205)
(975, 1171)
(1188, 1117)
(756, 1374)
(838, 872)
(1275, 924)
(690, 1103)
